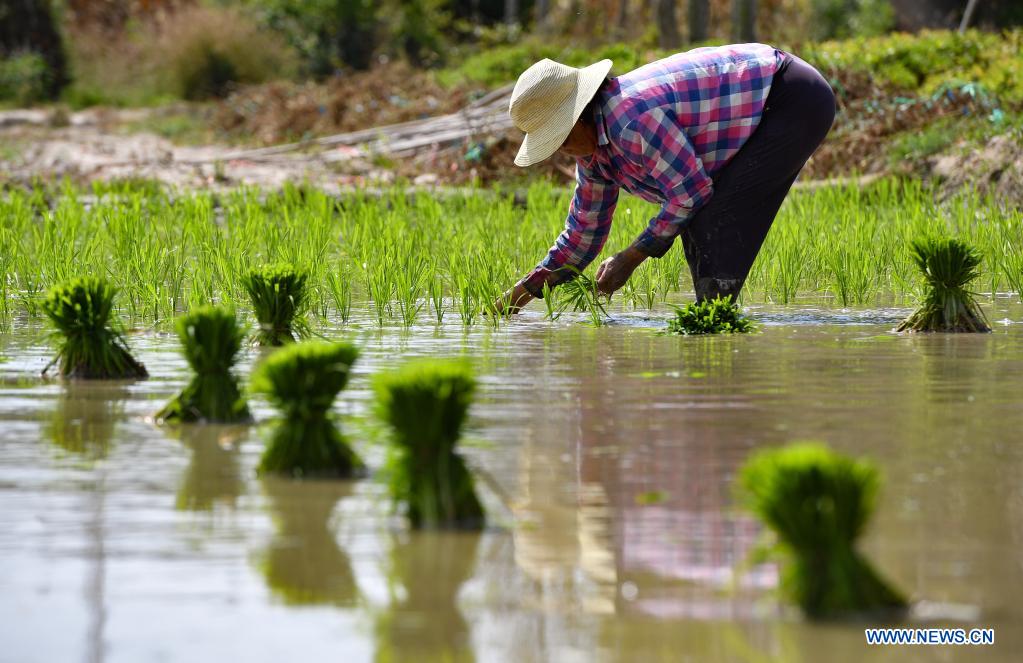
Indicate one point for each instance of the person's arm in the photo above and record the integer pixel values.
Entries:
(657, 143)
(586, 230)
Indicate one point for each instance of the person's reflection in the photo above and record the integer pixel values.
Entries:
(304, 563)
(423, 622)
(652, 436)
(85, 417)
(213, 475)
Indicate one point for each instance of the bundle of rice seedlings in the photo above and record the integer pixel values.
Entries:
(818, 503)
(279, 300)
(211, 339)
(948, 266)
(426, 402)
(302, 381)
(88, 346)
(710, 316)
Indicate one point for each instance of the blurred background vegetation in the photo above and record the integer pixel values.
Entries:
(146, 52)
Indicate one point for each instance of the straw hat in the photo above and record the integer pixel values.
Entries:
(547, 102)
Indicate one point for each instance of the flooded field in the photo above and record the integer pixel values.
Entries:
(606, 457)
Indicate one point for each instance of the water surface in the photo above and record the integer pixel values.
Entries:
(607, 457)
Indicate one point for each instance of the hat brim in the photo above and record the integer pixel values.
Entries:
(541, 143)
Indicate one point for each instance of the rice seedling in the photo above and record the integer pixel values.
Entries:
(436, 290)
(710, 316)
(340, 288)
(552, 310)
(88, 344)
(166, 254)
(280, 300)
(948, 266)
(302, 380)
(409, 287)
(425, 403)
(817, 503)
(582, 295)
(211, 340)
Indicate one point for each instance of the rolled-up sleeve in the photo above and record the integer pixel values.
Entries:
(656, 142)
(586, 230)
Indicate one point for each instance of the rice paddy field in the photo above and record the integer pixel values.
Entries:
(605, 453)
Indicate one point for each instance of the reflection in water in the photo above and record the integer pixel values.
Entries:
(213, 475)
(619, 448)
(304, 563)
(423, 622)
(83, 423)
(85, 417)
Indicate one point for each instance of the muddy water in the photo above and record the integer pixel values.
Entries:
(607, 457)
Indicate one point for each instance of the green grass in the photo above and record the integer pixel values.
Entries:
(818, 504)
(710, 316)
(302, 380)
(210, 339)
(426, 403)
(88, 345)
(405, 260)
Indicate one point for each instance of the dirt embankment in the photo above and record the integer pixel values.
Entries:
(99, 144)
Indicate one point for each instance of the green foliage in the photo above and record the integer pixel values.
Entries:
(502, 65)
(845, 18)
(328, 34)
(922, 63)
(302, 381)
(710, 316)
(280, 301)
(24, 79)
(209, 49)
(419, 28)
(211, 340)
(928, 61)
(194, 52)
(426, 403)
(949, 266)
(87, 346)
(818, 503)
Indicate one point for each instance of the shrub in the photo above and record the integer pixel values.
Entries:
(425, 403)
(279, 300)
(88, 347)
(327, 33)
(211, 340)
(710, 316)
(24, 79)
(29, 37)
(818, 503)
(207, 49)
(302, 381)
(948, 266)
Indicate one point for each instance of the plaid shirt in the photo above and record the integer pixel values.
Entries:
(663, 131)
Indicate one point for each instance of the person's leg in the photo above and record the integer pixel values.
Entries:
(723, 238)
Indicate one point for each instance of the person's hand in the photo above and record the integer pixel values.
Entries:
(616, 270)
(512, 301)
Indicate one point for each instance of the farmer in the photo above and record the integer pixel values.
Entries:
(715, 136)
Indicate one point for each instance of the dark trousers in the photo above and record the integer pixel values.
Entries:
(723, 238)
